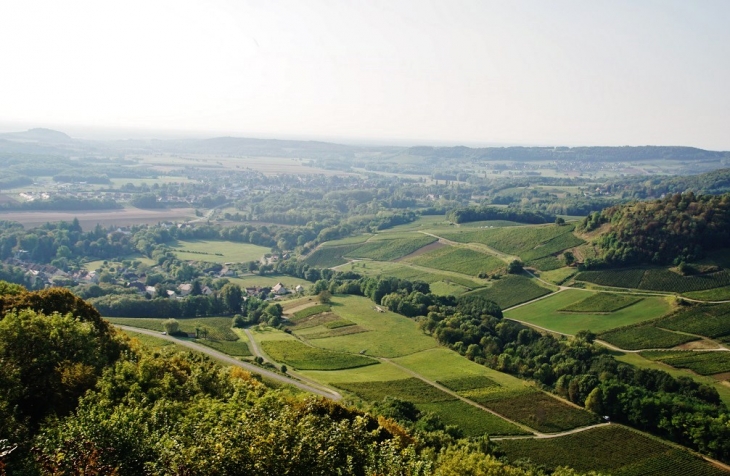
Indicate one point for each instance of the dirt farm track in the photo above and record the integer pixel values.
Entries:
(89, 219)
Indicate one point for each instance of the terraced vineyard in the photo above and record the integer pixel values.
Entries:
(614, 450)
(459, 260)
(301, 356)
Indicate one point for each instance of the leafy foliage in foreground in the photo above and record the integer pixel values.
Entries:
(78, 399)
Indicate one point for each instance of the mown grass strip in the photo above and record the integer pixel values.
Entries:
(304, 357)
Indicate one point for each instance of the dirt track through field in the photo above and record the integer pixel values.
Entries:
(245, 365)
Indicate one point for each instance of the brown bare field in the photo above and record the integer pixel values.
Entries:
(6, 199)
(89, 219)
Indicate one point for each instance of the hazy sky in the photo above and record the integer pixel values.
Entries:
(526, 72)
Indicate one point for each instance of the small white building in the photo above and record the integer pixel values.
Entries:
(279, 289)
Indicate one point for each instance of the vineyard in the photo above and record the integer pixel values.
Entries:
(655, 279)
(471, 382)
(310, 311)
(612, 450)
(411, 389)
(602, 302)
(645, 337)
(512, 290)
(391, 249)
(529, 243)
(548, 263)
(330, 256)
(451, 411)
(706, 320)
(304, 357)
(533, 408)
(703, 363)
(459, 260)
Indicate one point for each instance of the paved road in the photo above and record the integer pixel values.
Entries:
(231, 361)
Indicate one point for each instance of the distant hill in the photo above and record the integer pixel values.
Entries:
(581, 154)
(38, 135)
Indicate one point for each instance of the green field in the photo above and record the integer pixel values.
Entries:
(148, 341)
(655, 279)
(350, 240)
(403, 270)
(490, 224)
(512, 290)
(442, 365)
(527, 242)
(703, 363)
(269, 280)
(558, 276)
(546, 313)
(411, 389)
(391, 249)
(645, 337)
(310, 311)
(390, 334)
(473, 421)
(219, 328)
(612, 450)
(301, 356)
(235, 348)
(711, 320)
(546, 263)
(214, 251)
(330, 256)
(716, 294)
(622, 278)
(459, 260)
(460, 384)
(602, 302)
(533, 408)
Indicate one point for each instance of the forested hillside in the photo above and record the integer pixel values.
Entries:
(78, 398)
(680, 227)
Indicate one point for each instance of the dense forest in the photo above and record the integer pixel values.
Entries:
(680, 227)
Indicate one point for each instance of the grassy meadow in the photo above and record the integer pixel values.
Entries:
(547, 313)
(216, 251)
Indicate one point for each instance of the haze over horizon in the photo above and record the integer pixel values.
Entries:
(406, 72)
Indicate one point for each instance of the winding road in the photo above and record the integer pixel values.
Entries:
(231, 361)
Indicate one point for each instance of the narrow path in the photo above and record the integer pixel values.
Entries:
(456, 395)
(254, 346)
(474, 246)
(544, 436)
(231, 361)
(257, 352)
